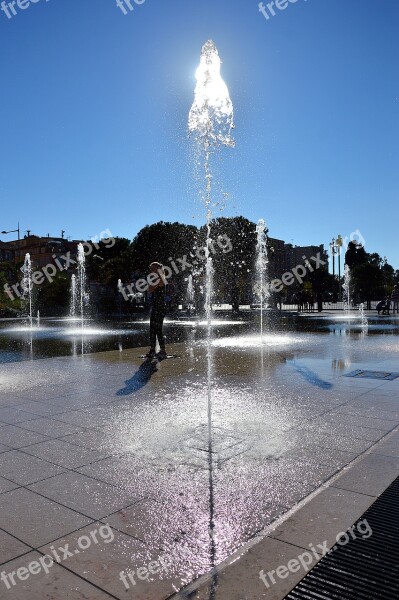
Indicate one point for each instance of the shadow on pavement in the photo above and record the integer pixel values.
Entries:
(312, 377)
(141, 377)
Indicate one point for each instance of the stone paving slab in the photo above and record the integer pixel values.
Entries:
(35, 520)
(17, 437)
(102, 565)
(64, 454)
(389, 447)
(332, 511)
(90, 497)
(25, 469)
(57, 584)
(6, 485)
(11, 547)
(371, 476)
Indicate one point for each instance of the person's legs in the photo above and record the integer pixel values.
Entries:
(159, 330)
(153, 330)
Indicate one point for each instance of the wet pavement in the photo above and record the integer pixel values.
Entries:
(183, 478)
(53, 337)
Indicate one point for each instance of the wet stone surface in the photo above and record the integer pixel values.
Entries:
(175, 471)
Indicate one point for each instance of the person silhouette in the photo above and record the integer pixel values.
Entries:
(157, 289)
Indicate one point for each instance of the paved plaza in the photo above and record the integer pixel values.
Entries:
(135, 484)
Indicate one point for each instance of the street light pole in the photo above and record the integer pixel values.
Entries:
(14, 231)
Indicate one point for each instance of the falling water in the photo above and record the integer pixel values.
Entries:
(38, 319)
(82, 294)
(27, 287)
(347, 289)
(73, 297)
(210, 123)
(261, 287)
(363, 319)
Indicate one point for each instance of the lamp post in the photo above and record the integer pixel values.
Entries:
(13, 231)
(19, 237)
(333, 250)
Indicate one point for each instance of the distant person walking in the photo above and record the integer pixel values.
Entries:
(395, 299)
(383, 307)
(158, 311)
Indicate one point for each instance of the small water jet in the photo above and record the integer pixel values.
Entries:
(27, 288)
(347, 289)
(363, 319)
(120, 297)
(190, 295)
(82, 294)
(262, 262)
(73, 298)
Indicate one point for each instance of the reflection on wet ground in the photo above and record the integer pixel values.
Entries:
(111, 437)
(65, 337)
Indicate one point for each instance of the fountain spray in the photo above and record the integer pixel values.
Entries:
(82, 294)
(261, 269)
(72, 309)
(27, 286)
(347, 289)
(210, 123)
(363, 319)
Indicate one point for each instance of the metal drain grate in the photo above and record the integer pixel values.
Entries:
(385, 375)
(364, 569)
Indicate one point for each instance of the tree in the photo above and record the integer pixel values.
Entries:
(9, 275)
(371, 275)
(107, 265)
(167, 243)
(233, 270)
(355, 255)
(53, 298)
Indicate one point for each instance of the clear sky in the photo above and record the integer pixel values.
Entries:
(94, 107)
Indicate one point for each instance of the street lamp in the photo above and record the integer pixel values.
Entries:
(13, 231)
(334, 250)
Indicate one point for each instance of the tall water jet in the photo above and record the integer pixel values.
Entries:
(262, 262)
(347, 289)
(73, 297)
(27, 287)
(82, 293)
(210, 123)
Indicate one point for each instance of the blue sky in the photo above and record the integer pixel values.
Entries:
(94, 107)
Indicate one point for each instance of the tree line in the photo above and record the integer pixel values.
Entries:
(234, 270)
